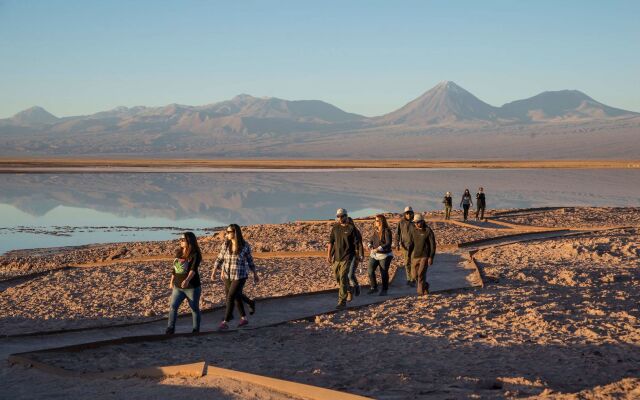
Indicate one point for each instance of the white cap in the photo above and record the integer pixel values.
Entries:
(418, 217)
(341, 211)
(408, 209)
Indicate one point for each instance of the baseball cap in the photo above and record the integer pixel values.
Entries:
(341, 211)
(408, 209)
(418, 217)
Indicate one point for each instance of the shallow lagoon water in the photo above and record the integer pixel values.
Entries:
(45, 210)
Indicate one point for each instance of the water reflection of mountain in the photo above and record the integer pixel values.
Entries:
(278, 197)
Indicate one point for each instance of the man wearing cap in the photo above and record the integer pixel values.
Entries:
(403, 236)
(448, 205)
(423, 246)
(340, 252)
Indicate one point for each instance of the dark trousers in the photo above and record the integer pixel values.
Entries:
(465, 207)
(353, 280)
(420, 266)
(384, 272)
(233, 291)
(480, 212)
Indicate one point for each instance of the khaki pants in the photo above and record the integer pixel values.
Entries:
(341, 272)
(407, 264)
(420, 266)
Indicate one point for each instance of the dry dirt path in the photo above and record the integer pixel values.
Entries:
(449, 271)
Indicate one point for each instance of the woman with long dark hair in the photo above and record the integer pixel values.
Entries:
(465, 203)
(381, 255)
(185, 282)
(236, 260)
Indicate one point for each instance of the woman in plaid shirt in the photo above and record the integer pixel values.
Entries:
(235, 260)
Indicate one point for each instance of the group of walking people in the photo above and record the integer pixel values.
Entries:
(345, 251)
(465, 203)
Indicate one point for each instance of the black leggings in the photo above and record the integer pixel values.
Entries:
(465, 207)
(233, 291)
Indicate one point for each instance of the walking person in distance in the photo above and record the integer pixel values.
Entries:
(448, 204)
(481, 204)
(465, 203)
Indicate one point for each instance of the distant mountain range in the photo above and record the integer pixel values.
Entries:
(247, 126)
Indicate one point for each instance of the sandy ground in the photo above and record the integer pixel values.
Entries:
(557, 318)
(579, 217)
(209, 387)
(563, 318)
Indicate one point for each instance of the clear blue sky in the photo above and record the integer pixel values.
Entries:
(369, 57)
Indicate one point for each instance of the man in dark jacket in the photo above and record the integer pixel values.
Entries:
(341, 250)
(423, 250)
(481, 204)
(403, 234)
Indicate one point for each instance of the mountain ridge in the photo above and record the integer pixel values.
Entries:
(274, 127)
(444, 103)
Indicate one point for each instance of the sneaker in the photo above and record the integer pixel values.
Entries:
(170, 331)
(194, 330)
(223, 326)
(252, 307)
(383, 292)
(412, 283)
(341, 306)
(357, 290)
(349, 296)
(243, 322)
(372, 290)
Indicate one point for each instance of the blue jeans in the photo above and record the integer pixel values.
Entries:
(193, 297)
(384, 272)
(352, 272)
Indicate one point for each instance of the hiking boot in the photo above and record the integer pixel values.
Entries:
(373, 290)
(357, 290)
(243, 322)
(195, 330)
(349, 296)
(170, 331)
(341, 306)
(383, 292)
(252, 307)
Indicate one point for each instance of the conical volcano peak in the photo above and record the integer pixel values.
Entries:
(444, 103)
(34, 116)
